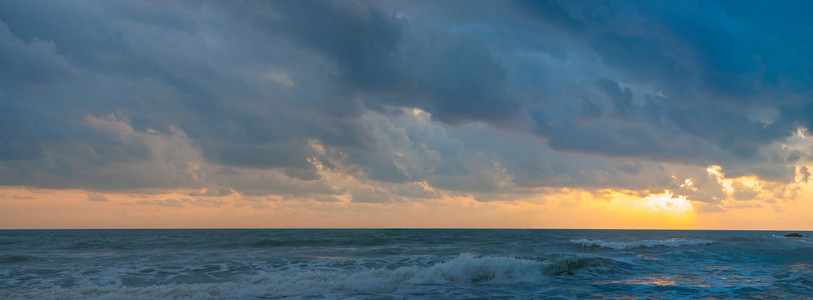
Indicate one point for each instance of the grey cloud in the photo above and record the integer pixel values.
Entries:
(743, 192)
(620, 98)
(35, 61)
(165, 202)
(630, 167)
(392, 61)
(521, 95)
(94, 197)
(705, 67)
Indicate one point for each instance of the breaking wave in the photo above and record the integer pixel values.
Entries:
(639, 244)
(801, 279)
(466, 269)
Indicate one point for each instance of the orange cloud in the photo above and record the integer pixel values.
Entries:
(545, 208)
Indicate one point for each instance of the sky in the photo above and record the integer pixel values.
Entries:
(427, 114)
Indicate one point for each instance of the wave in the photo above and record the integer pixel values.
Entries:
(10, 258)
(736, 239)
(799, 278)
(464, 270)
(639, 244)
(784, 256)
(294, 243)
(568, 264)
(319, 242)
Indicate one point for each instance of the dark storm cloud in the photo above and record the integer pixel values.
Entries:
(711, 63)
(117, 95)
(620, 98)
(805, 173)
(453, 75)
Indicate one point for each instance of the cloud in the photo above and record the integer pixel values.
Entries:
(95, 197)
(743, 192)
(620, 98)
(391, 101)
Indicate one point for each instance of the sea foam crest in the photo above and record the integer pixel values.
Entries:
(619, 245)
(466, 269)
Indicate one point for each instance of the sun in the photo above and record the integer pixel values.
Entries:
(666, 202)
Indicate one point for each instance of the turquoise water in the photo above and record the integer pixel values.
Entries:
(395, 263)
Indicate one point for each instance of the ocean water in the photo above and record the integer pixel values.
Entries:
(403, 263)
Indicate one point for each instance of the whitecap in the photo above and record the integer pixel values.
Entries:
(463, 270)
(622, 245)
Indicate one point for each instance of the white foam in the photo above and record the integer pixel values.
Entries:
(463, 270)
(619, 245)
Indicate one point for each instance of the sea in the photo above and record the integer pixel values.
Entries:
(403, 264)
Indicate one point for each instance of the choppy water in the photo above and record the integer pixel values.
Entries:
(373, 264)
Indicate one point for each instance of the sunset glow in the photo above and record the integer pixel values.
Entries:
(666, 203)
